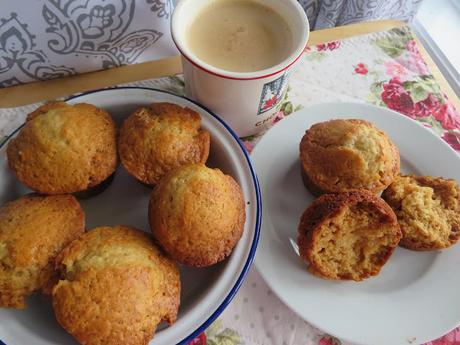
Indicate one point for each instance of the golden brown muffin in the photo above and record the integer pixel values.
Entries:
(116, 286)
(340, 155)
(197, 214)
(347, 236)
(428, 211)
(64, 148)
(33, 230)
(159, 138)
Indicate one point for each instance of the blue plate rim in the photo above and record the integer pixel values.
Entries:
(255, 240)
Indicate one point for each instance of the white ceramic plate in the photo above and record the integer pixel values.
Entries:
(205, 292)
(415, 298)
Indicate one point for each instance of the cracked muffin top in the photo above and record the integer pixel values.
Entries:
(33, 230)
(428, 211)
(156, 139)
(64, 148)
(197, 214)
(115, 287)
(340, 155)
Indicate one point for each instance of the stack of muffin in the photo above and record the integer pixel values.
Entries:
(349, 232)
(113, 285)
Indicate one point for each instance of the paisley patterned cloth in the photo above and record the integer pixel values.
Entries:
(46, 39)
(385, 69)
(329, 13)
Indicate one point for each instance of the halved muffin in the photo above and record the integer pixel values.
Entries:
(428, 211)
(156, 139)
(115, 287)
(64, 148)
(347, 236)
(33, 230)
(197, 214)
(341, 155)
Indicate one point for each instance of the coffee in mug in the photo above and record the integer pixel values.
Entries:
(237, 56)
(240, 36)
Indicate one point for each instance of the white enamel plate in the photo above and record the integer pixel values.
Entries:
(205, 292)
(416, 297)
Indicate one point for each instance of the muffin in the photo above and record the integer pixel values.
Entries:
(197, 215)
(347, 236)
(115, 287)
(33, 230)
(428, 211)
(340, 155)
(64, 148)
(159, 138)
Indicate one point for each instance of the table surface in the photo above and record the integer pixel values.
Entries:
(47, 90)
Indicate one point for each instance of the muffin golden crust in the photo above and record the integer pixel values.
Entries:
(341, 155)
(347, 236)
(116, 286)
(64, 148)
(157, 139)
(197, 214)
(33, 230)
(428, 211)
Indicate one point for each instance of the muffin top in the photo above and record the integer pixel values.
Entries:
(340, 155)
(197, 214)
(33, 230)
(347, 235)
(428, 211)
(159, 138)
(64, 148)
(115, 287)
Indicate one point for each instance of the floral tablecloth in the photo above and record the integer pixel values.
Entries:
(385, 69)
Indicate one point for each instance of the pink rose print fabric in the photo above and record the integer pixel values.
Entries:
(361, 69)
(385, 69)
(453, 338)
(200, 340)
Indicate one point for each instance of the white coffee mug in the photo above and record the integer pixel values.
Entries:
(247, 101)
